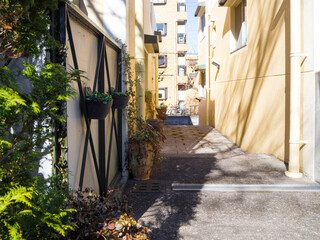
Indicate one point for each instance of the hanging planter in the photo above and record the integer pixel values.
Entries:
(98, 105)
(120, 99)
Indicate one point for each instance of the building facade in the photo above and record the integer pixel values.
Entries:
(261, 76)
(171, 19)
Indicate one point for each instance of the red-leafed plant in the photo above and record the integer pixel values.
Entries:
(99, 217)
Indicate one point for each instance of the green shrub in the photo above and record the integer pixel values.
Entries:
(99, 97)
(35, 212)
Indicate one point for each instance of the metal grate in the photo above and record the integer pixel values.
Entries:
(149, 187)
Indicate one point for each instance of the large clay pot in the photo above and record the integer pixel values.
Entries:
(157, 124)
(141, 160)
(162, 116)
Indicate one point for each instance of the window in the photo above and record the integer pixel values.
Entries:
(162, 28)
(162, 61)
(181, 64)
(162, 93)
(181, 70)
(181, 38)
(239, 35)
(181, 7)
(181, 26)
(158, 2)
(202, 25)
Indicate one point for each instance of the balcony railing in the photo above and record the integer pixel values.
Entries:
(182, 38)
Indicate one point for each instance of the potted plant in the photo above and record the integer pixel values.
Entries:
(98, 105)
(120, 99)
(144, 148)
(162, 110)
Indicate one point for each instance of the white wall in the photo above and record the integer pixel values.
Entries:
(311, 78)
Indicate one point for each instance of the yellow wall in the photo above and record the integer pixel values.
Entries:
(249, 94)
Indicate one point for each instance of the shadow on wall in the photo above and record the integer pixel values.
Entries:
(256, 108)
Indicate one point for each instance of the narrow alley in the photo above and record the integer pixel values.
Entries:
(208, 188)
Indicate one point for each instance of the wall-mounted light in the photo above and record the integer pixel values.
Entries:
(216, 64)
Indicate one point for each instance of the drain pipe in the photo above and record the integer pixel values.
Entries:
(156, 81)
(295, 88)
(139, 56)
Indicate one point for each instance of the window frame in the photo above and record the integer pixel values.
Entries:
(159, 2)
(181, 4)
(165, 90)
(165, 61)
(184, 38)
(165, 29)
(239, 33)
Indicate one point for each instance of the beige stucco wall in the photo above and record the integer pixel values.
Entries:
(248, 94)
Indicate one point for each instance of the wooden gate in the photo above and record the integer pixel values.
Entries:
(94, 146)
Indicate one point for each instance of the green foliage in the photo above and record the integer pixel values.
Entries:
(149, 105)
(99, 97)
(116, 93)
(26, 118)
(31, 208)
(131, 88)
(24, 27)
(96, 214)
(34, 212)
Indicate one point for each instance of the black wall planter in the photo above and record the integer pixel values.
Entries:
(120, 102)
(97, 110)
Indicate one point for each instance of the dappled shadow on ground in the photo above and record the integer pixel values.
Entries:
(195, 155)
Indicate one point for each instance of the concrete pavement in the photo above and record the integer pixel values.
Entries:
(201, 156)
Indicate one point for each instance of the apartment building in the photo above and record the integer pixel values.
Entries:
(171, 19)
(260, 62)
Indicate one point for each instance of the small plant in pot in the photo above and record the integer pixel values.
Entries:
(98, 105)
(120, 99)
(144, 147)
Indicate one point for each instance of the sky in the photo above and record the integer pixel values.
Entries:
(192, 27)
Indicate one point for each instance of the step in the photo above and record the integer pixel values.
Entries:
(245, 187)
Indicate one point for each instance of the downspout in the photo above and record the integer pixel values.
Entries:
(295, 86)
(208, 68)
(156, 83)
(139, 56)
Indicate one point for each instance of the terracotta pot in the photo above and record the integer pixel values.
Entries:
(120, 102)
(141, 160)
(97, 110)
(157, 124)
(162, 116)
(162, 110)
